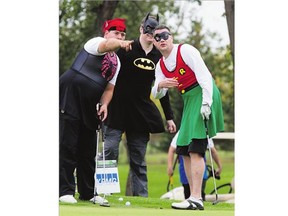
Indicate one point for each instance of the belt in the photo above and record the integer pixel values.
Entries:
(189, 88)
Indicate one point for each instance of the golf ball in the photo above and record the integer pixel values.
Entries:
(127, 203)
(120, 199)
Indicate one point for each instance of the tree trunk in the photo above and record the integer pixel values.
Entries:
(104, 12)
(229, 9)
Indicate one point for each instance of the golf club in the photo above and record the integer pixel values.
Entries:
(100, 126)
(211, 159)
(170, 181)
(96, 156)
(103, 159)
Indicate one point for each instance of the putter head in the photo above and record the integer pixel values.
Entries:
(216, 201)
(105, 204)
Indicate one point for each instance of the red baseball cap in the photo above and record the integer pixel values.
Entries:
(114, 24)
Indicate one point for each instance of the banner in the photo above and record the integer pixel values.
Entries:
(107, 178)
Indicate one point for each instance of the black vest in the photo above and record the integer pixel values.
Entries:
(101, 69)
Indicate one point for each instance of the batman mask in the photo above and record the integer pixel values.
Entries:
(150, 24)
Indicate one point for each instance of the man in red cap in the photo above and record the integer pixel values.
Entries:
(89, 81)
(115, 24)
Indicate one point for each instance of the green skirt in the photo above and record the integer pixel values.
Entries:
(192, 125)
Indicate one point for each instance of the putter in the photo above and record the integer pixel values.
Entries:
(104, 204)
(100, 126)
(96, 156)
(211, 159)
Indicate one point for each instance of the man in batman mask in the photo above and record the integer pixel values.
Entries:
(131, 109)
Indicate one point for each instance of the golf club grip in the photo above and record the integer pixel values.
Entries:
(206, 127)
(175, 162)
(98, 105)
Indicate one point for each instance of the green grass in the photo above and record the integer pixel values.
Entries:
(141, 207)
(157, 174)
(157, 183)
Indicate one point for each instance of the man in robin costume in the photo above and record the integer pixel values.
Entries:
(182, 67)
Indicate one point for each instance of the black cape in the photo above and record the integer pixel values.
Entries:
(131, 108)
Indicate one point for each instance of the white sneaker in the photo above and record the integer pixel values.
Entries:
(99, 200)
(186, 204)
(67, 199)
(190, 204)
(197, 202)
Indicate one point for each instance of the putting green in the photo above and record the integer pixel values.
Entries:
(74, 210)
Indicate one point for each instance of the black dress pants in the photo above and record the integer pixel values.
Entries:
(77, 150)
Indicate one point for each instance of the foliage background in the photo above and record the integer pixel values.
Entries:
(82, 20)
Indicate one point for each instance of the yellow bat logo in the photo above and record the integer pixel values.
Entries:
(144, 63)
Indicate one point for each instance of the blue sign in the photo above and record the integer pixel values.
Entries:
(107, 177)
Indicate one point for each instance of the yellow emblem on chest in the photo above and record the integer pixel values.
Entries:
(144, 63)
(182, 71)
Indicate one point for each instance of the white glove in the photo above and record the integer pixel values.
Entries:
(205, 111)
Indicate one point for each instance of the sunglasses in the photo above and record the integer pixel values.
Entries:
(163, 35)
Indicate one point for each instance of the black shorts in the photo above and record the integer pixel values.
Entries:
(196, 146)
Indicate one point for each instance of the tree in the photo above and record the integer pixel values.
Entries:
(81, 20)
(229, 9)
(78, 21)
(104, 12)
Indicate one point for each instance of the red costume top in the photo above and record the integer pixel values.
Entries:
(183, 73)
